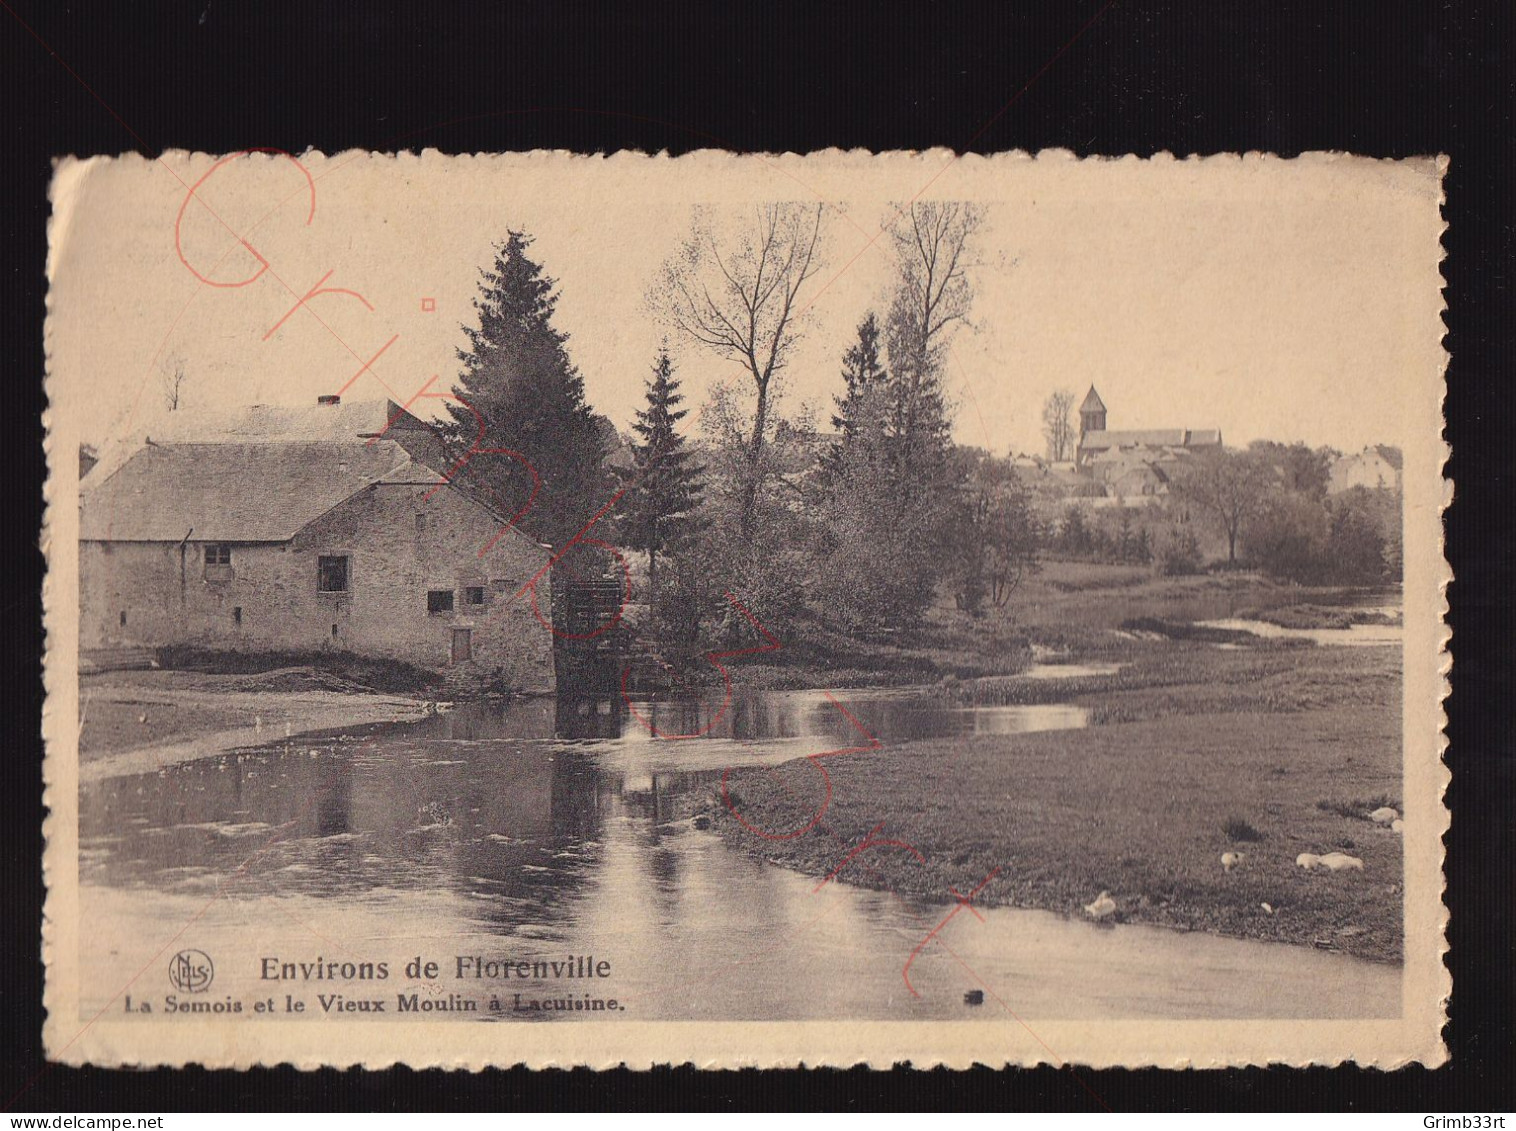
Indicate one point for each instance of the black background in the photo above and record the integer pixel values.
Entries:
(1129, 76)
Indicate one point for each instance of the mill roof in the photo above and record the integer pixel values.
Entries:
(346, 420)
(232, 491)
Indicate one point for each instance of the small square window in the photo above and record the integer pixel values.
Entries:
(473, 595)
(218, 561)
(332, 573)
(439, 601)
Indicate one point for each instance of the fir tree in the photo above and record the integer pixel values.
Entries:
(933, 296)
(518, 377)
(858, 409)
(663, 487)
(919, 426)
(860, 517)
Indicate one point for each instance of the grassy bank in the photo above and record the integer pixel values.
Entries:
(299, 671)
(1072, 610)
(1081, 607)
(815, 656)
(1308, 616)
(1167, 678)
(140, 720)
(1199, 751)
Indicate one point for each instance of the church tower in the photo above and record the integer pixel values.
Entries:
(1091, 414)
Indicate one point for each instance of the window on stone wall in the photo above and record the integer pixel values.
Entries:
(473, 595)
(439, 601)
(331, 573)
(218, 561)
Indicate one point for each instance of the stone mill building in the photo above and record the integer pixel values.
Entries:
(325, 527)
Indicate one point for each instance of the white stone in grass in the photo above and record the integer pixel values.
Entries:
(1384, 815)
(1103, 906)
(1307, 860)
(1337, 861)
(1230, 860)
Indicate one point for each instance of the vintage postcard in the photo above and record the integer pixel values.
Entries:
(736, 610)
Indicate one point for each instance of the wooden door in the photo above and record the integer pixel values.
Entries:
(463, 644)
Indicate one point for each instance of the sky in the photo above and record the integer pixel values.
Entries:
(1270, 299)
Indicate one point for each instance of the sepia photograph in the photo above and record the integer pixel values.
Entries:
(744, 610)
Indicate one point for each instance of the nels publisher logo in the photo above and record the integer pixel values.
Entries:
(191, 971)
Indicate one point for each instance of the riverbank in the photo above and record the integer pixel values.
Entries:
(1197, 751)
(138, 721)
(1071, 611)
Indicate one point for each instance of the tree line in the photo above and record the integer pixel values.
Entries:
(1268, 505)
(863, 527)
(1272, 501)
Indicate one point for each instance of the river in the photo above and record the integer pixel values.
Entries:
(542, 829)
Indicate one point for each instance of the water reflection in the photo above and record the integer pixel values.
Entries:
(1354, 636)
(703, 729)
(539, 827)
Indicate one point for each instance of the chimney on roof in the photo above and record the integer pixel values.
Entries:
(329, 398)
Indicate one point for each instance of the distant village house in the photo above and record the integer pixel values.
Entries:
(1376, 467)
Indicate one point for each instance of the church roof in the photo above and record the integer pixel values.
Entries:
(1092, 402)
(1151, 438)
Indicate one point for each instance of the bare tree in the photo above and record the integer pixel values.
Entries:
(933, 294)
(1058, 424)
(173, 377)
(930, 241)
(738, 299)
(1232, 487)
